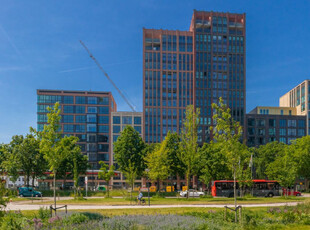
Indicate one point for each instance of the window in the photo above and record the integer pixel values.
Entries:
(42, 118)
(116, 129)
(80, 119)
(91, 147)
(282, 123)
(79, 109)
(103, 157)
(272, 122)
(50, 99)
(103, 100)
(138, 129)
(251, 122)
(92, 128)
(68, 99)
(103, 148)
(92, 109)
(82, 147)
(115, 137)
(291, 123)
(272, 131)
(282, 132)
(91, 138)
(92, 100)
(260, 122)
(68, 109)
(91, 118)
(127, 120)
(291, 132)
(103, 110)
(137, 120)
(301, 123)
(103, 138)
(260, 131)
(82, 137)
(67, 118)
(281, 111)
(68, 128)
(80, 100)
(282, 140)
(103, 120)
(251, 131)
(40, 127)
(116, 120)
(301, 132)
(80, 128)
(103, 129)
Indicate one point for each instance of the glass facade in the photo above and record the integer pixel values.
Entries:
(81, 116)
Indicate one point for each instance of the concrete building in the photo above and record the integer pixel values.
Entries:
(193, 67)
(299, 98)
(268, 124)
(85, 114)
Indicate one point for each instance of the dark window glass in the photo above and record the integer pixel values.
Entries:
(137, 120)
(82, 146)
(115, 137)
(103, 110)
(301, 123)
(91, 128)
(68, 128)
(92, 109)
(42, 118)
(138, 129)
(68, 99)
(251, 122)
(116, 129)
(67, 118)
(92, 100)
(103, 120)
(51, 99)
(272, 123)
(82, 137)
(103, 138)
(116, 120)
(282, 123)
(80, 119)
(103, 100)
(68, 109)
(127, 120)
(80, 128)
(79, 109)
(91, 118)
(103, 157)
(103, 129)
(103, 147)
(80, 100)
(91, 138)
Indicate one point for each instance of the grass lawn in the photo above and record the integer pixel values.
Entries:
(171, 201)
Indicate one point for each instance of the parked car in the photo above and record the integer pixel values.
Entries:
(289, 192)
(191, 193)
(28, 192)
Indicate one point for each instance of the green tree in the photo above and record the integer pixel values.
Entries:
(284, 168)
(158, 164)
(301, 155)
(227, 132)
(11, 162)
(106, 174)
(129, 154)
(52, 145)
(177, 167)
(188, 147)
(266, 154)
(213, 164)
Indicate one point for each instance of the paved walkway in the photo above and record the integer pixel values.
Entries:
(15, 207)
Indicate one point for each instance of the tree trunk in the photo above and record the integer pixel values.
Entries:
(158, 186)
(307, 185)
(108, 189)
(33, 181)
(187, 184)
(235, 195)
(27, 180)
(55, 192)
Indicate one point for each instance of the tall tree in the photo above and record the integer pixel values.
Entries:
(227, 132)
(213, 164)
(129, 154)
(301, 155)
(284, 168)
(52, 145)
(266, 154)
(158, 164)
(106, 174)
(188, 147)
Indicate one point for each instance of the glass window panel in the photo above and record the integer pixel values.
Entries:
(103, 110)
(116, 120)
(103, 120)
(116, 129)
(91, 128)
(92, 109)
(127, 120)
(92, 100)
(137, 120)
(79, 109)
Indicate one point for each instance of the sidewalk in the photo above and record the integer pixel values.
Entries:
(15, 207)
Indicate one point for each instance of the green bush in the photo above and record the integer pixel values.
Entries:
(13, 221)
(44, 213)
(93, 215)
(77, 218)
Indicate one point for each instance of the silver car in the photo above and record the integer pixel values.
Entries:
(191, 193)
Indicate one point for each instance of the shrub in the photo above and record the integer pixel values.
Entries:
(54, 219)
(13, 221)
(77, 218)
(93, 215)
(44, 213)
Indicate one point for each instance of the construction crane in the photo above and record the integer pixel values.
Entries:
(105, 73)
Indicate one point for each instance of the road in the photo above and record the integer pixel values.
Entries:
(15, 207)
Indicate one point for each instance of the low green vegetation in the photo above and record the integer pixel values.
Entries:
(287, 217)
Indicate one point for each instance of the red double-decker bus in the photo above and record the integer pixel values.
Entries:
(266, 188)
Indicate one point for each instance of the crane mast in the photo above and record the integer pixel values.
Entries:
(107, 76)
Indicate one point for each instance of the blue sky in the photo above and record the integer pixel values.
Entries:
(39, 48)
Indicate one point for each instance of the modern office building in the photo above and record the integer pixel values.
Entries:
(85, 114)
(119, 120)
(193, 67)
(268, 124)
(299, 98)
